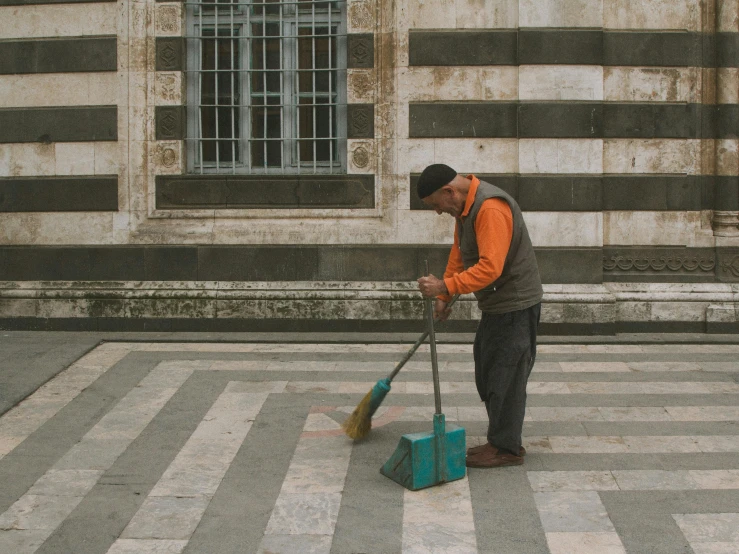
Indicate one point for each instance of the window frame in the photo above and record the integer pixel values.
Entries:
(240, 19)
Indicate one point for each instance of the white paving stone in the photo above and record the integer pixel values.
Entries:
(65, 482)
(48, 511)
(603, 542)
(634, 414)
(556, 481)
(439, 519)
(596, 367)
(289, 544)
(716, 478)
(25, 418)
(665, 366)
(701, 528)
(34, 512)
(703, 413)
(565, 414)
(309, 499)
(580, 511)
(147, 546)
(166, 518)
(715, 547)
(306, 512)
(22, 541)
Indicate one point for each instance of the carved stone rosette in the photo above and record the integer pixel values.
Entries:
(361, 87)
(168, 88)
(169, 19)
(361, 15)
(167, 157)
(361, 156)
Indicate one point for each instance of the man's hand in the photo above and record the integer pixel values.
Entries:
(441, 311)
(430, 286)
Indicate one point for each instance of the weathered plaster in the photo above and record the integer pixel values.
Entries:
(46, 89)
(137, 157)
(561, 156)
(652, 84)
(655, 228)
(561, 13)
(652, 14)
(58, 20)
(651, 156)
(561, 82)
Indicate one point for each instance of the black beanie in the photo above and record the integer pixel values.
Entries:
(433, 178)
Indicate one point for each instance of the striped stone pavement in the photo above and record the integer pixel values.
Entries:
(143, 447)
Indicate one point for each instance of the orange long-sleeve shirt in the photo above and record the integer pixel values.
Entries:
(494, 231)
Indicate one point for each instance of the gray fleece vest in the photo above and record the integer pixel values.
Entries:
(519, 286)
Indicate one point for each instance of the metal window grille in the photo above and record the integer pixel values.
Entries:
(266, 86)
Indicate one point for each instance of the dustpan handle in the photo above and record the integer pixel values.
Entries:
(432, 344)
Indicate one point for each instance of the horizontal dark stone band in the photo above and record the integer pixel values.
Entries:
(59, 194)
(572, 120)
(594, 193)
(349, 263)
(58, 55)
(260, 191)
(286, 325)
(170, 121)
(291, 325)
(572, 47)
(67, 124)
(263, 263)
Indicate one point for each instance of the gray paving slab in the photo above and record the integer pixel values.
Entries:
(371, 516)
(109, 479)
(667, 428)
(606, 462)
(28, 360)
(633, 377)
(506, 519)
(632, 400)
(106, 510)
(237, 516)
(43, 448)
(644, 520)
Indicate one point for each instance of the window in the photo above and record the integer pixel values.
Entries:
(266, 86)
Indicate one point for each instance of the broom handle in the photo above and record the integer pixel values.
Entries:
(413, 349)
(432, 345)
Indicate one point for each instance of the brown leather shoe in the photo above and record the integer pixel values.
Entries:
(476, 449)
(492, 457)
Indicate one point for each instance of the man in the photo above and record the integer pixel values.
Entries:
(493, 258)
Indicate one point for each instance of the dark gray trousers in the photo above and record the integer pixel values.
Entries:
(505, 351)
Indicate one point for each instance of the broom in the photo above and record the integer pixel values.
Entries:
(358, 425)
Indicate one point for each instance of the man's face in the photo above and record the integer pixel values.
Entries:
(443, 201)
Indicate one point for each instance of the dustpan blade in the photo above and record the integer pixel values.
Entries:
(416, 464)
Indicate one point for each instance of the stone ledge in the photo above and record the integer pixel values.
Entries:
(586, 309)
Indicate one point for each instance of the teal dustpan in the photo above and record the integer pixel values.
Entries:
(426, 459)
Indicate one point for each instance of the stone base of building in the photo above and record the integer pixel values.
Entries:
(603, 309)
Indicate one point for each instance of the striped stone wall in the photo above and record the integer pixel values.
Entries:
(613, 122)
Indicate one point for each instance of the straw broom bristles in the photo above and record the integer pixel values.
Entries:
(358, 425)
